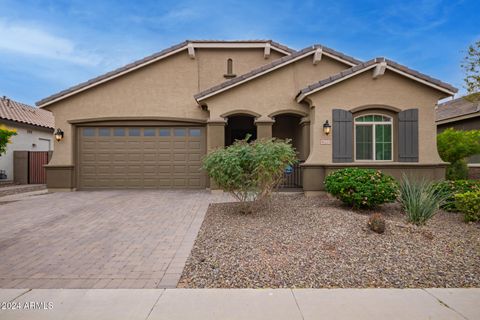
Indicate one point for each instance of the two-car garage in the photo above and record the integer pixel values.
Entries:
(120, 157)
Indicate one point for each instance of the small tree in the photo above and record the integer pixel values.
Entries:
(5, 138)
(250, 171)
(471, 66)
(456, 145)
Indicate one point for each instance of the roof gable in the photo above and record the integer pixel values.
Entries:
(279, 63)
(371, 64)
(186, 45)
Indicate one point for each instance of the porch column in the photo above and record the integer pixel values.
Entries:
(304, 145)
(264, 127)
(215, 139)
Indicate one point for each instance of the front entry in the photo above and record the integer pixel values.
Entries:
(141, 157)
(238, 127)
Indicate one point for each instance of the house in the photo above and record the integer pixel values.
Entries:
(148, 124)
(461, 114)
(34, 128)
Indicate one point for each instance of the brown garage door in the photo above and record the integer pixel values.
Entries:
(141, 157)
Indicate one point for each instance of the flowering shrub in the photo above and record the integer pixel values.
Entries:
(361, 188)
(469, 204)
(450, 188)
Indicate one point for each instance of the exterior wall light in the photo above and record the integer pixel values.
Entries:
(327, 128)
(59, 134)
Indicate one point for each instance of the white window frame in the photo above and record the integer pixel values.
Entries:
(372, 123)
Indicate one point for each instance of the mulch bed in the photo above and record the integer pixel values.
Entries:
(316, 243)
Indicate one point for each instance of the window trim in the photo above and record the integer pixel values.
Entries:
(372, 123)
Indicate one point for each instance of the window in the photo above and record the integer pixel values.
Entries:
(134, 132)
(119, 132)
(149, 132)
(164, 132)
(88, 132)
(104, 132)
(195, 132)
(179, 132)
(373, 138)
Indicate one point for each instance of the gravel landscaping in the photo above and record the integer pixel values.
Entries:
(317, 243)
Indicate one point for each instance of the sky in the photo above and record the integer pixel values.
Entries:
(48, 46)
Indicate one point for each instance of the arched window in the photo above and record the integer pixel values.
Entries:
(373, 137)
(229, 66)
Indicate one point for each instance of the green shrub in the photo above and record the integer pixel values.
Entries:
(250, 171)
(419, 199)
(451, 188)
(361, 188)
(5, 137)
(468, 203)
(376, 223)
(457, 170)
(456, 145)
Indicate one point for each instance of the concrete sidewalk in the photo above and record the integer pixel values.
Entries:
(249, 304)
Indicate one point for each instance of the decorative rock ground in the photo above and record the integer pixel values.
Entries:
(317, 243)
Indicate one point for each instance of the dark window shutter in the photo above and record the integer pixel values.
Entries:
(342, 132)
(408, 136)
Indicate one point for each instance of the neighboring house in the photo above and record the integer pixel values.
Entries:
(461, 114)
(148, 124)
(34, 128)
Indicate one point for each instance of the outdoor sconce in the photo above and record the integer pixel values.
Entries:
(58, 134)
(327, 128)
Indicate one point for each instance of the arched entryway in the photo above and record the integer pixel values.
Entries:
(238, 127)
(293, 127)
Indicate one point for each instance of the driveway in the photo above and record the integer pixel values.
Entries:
(100, 239)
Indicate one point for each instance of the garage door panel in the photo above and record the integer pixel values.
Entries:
(106, 170)
(164, 158)
(180, 145)
(179, 157)
(164, 145)
(194, 144)
(149, 170)
(166, 182)
(103, 157)
(194, 182)
(136, 157)
(165, 169)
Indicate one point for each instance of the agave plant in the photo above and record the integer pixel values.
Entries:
(419, 199)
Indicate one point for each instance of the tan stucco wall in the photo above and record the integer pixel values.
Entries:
(391, 90)
(273, 91)
(212, 63)
(161, 89)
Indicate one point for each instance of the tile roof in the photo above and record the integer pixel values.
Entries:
(363, 66)
(284, 60)
(273, 43)
(146, 60)
(19, 112)
(456, 108)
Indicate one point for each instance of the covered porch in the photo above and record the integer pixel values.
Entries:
(293, 125)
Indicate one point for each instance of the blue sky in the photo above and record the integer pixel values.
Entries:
(47, 46)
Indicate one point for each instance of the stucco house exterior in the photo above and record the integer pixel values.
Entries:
(148, 124)
(34, 128)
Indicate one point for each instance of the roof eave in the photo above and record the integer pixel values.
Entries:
(201, 96)
(368, 66)
(181, 46)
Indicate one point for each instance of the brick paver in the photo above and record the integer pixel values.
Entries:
(100, 239)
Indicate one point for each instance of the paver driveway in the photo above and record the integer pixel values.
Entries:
(100, 239)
